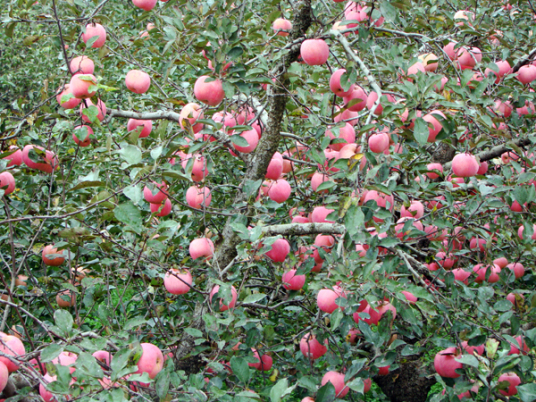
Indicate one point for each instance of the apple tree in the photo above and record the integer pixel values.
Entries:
(301, 200)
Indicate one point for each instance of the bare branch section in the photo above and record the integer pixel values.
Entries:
(302, 229)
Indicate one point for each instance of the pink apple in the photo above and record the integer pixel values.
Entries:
(337, 379)
(151, 360)
(311, 348)
(46, 164)
(103, 356)
(83, 129)
(356, 100)
(80, 85)
(326, 299)
(158, 195)
(138, 81)
(264, 363)
(465, 165)
(410, 297)
(517, 268)
(101, 110)
(197, 197)
(291, 281)
(191, 112)
(461, 275)
(471, 349)
(314, 52)
(146, 5)
(275, 168)
(433, 166)
(527, 74)
(93, 30)
(445, 363)
(82, 65)
(346, 133)
(279, 191)
(15, 158)
(178, 282)
(68, 104)
(378, 143)
(4, 376)
(146, 126)
(209, 92)
(11, 346)
(282, 26)
(336, 86)
(224, 307)
(279, 251)
(320, 214)
(252, 138)
(520, 346)
(513, 381)
(7, 182)
(481, 271)
(202, 247)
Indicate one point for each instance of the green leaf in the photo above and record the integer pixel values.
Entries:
(130, 153)
(335, 319)
(235, 52)
(239, 140)
(129, 214)
(278, 390)
(194, 332)
(469, 360)
(308, 383)
(353, 220)
(254, 298)
(134, 193)
(527, 392)
(50, 353)
(326, 393)
(64, 321)
(420, 131)
(357, 385)
(240, 368)
(388, 11)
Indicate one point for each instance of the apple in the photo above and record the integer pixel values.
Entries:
(516, 299)
(147, 126)
(503, 109)
(178, 282)
(513, 381)
(517, 268)
(83, 129)
(191, 112)
(337, 379)
(209, 92)
(224, 307)
(4, 376)
(45, 394)
(252, 138)
(481, 271)
(526, 74)
(275, 168)
(151, 360)
(378, 143)
(54, 261)
(415, 210)
(202, 247)
(199, 168)
(282, 26)
(66, 298)
(7, 182)
(311, 348)
(146, 5)
(471, 349)
(462, 16)
(291, 281)
(503, 68)
(93, 30)
(68, 104)
(162, 209)
(80, 84)
(198, 197)
(138, 81)
(465, 165)
(320, 214)
(103, 356)
(519, 344)
(356, 101)
(279, 251)
(467, 58)
(326, 299)
(461, 275)
(336, 86)
(347, 133)
(371, 100)
(445, 363)
(385, 306)
(450, 51)
(429, 61)
(101, 110)
(279, 191)
(410, 297)
(264, 362)
(11, 346)
(15, 158)
(158, 197)
(415, 69)
(82, 65)
(314, 52)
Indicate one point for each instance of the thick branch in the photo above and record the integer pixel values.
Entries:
(301, 229)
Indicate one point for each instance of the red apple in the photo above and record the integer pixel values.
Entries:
(202, 247)
(314, 52)
(7, 182)
(178, 282)
(445, 363)
(138, 81)
(337, 379)
(279, 251)
(93, 30)
(224, 307)
(291, 281)
(209, 92)
(11, 346)
(147, 126)
(513, 381)
(151, 360)
(311, 348)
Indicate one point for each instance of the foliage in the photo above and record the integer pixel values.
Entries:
(92, 208)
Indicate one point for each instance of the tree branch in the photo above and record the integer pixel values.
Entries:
(301, 229)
